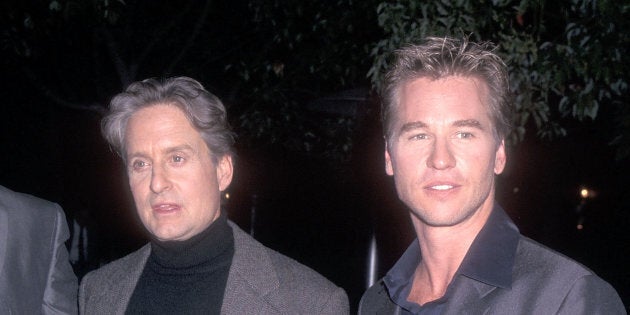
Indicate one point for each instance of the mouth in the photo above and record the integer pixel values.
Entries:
(164, 208)
(441, 187)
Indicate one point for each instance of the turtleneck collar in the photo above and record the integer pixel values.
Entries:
(202, 249)
(186, 276)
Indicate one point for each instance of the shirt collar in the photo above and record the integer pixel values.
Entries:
(402, 272)
(489, 259)
(399, 279)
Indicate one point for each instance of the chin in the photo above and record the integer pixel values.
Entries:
(168, 235)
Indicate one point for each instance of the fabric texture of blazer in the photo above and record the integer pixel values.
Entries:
(35, 273)
(260, 281)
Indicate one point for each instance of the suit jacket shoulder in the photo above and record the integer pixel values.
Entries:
(263, 281)
(35, 273)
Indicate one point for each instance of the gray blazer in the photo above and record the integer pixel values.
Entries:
(35, 274)
(543, 282)
(260, 281)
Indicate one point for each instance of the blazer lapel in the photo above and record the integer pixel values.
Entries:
(132, 273)
(251, 280)
(118, 284)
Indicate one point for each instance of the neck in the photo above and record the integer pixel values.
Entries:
(443, 249)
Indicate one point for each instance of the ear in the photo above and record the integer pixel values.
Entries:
(500, 158)
(225, 171)
(389, 169)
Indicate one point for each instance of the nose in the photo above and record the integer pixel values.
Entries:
(159, 180)
(441, 157)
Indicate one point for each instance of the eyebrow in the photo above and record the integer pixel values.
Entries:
(472, 123)
(412, 125)
(183, 147)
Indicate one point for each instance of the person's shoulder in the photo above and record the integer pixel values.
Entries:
(560, 283)
(548, 263)
(557, 277)
(25, 214)
(26, 205)
(308, 290)
(119, 269)
(290, 270)
(287, 269)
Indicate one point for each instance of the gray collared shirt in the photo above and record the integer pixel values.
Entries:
(489, 259)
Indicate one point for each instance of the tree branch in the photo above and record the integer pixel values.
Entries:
(156, 39)
(191, 39)
(114, 51)
(50, 94)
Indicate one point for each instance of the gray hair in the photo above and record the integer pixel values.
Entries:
(442, 57)
(205, 112)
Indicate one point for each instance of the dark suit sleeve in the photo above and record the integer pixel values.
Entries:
(60, 295)
(591, 295)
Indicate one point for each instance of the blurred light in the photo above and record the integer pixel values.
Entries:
(580, 223)
(372, 263)
(585, 193)
(227, 195)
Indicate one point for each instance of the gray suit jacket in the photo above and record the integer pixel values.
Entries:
(543, 282)
(260, 281)
(35, 274)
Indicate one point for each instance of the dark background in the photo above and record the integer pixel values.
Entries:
(320, 206)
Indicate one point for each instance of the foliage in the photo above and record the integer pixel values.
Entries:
(269, 60)
(566, 59)
(301, 51)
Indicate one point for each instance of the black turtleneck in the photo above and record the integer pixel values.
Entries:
(186, 277)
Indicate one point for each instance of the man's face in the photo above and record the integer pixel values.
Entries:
(175, 184)
(443, 153)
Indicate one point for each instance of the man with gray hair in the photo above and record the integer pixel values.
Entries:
(446, 114)
(175, 141)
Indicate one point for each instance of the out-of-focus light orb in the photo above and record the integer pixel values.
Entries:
(227, 195)
(580, 227)
(584, 193)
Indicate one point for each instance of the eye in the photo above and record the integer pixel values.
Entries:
(178, 159)
(421, 136)
(138, 165)
(464, 135)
